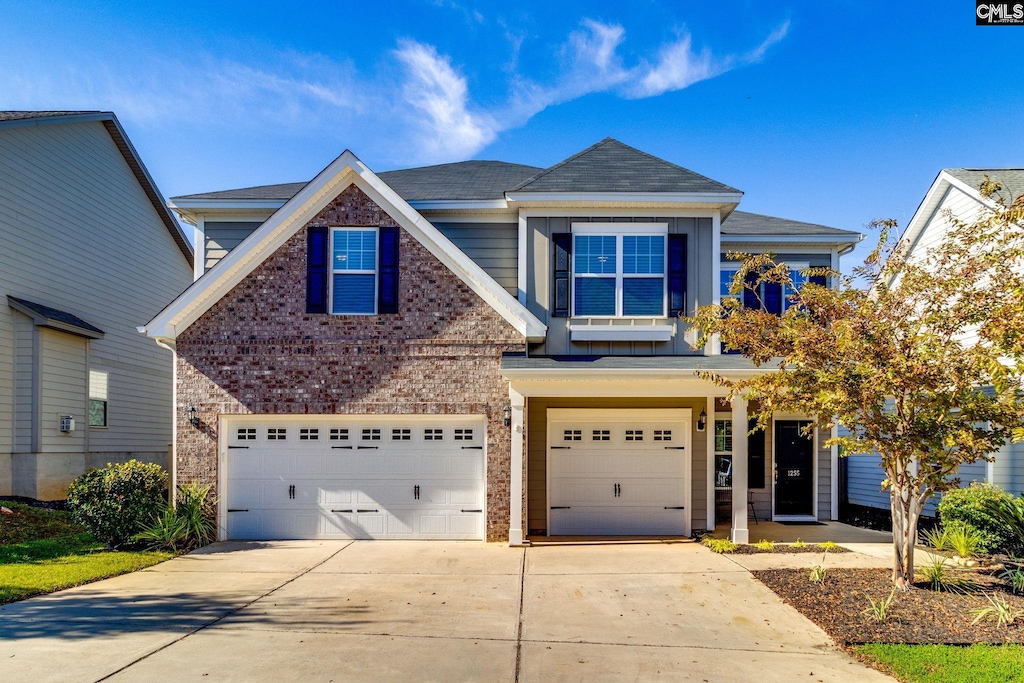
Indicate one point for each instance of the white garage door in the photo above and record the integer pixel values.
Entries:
(618, 472)
(366, 477)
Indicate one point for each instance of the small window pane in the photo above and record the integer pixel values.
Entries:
(339, 434)
(309, 434)
(634, 435)
(247, 434)
(726, 280)
(643, 296)
(723, 436)
(354, 250)
(433, 434)
(277, 434)
(371, 434)
(723, 471)
(662, 434)
(643, 254)
(354, 294)
(401, 434)
(594, 296)
(97, 413)
(594, 254)
(602, 435)
(463, 434)
(572, 435)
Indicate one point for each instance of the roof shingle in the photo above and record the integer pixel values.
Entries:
(1012, 179)
(744, 223)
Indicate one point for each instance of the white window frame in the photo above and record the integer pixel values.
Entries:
(332, 271)
(620, 230)
(105, 399)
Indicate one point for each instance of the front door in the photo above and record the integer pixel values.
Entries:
(794, 470)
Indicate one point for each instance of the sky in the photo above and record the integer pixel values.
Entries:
(835, 112)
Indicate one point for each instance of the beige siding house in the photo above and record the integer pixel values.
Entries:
(89, 253)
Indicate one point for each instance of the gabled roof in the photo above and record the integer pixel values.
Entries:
(15, 119)
(461, 180)
(46, 316)
(346, 170)
(756, 224)
(611, 166)
(1012, 179)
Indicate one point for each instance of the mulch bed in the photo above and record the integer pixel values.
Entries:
(782, 549)
(920, 616)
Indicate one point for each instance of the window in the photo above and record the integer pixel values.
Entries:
(354, 271)
(306, 434)
(277, 434)
(371, 434)
(246, 433)
(634, 435)
(399, 434)
(617, 275)
(433, 434)
(339, 434)
(602, 435)
(463, 434)
(572, 435)
(662, 434)
(97, 398)
(769, 296)
(723, 453)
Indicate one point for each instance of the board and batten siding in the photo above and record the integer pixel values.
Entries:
(81, 235)
(493, 246)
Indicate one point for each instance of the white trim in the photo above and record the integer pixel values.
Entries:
(601, 212)
(465, 204)
(787, 417)
(222, 476)
(685, 416)
(346, 170)
(740, 470)
(505, 218)
(522, 256)
(709, 431)
(782, 239)
(619, 231)
(332, 271)
(199, 248)
(713, 198)
(834, 476)
(714, 346)
(620, 228)
(658, 333)
(515, 528)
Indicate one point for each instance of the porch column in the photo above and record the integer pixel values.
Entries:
(740, 534)
(709, 431)
(515, 507)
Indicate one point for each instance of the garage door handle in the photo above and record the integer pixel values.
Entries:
(237, 447)
(341, 511)
(680, 507)
(560, 448)
(347, 448)
(363, 448)
(561, 507)
(472, 510)
(238, 509)
(675, 448)
(374, 510)
(472, 448)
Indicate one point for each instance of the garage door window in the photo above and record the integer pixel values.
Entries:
(463, 434)
(309, 434)
(277, 434)
(433, 434)
(371, 434)
(634, 435)
(339, 434)
(602, 435)
(401, 435)
(247, 434)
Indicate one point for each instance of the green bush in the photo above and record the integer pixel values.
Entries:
(118, 501)
(974, 506)
(188, 524)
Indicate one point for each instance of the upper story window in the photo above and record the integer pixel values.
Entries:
(768, 296)
(619, 271)
(354, 270)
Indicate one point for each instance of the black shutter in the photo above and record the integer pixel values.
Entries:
(755, 458)
(817, 280)
(317, 269)
(387, 270)
(773, 297)
(750, 298)
(562, 242)
(676, 275)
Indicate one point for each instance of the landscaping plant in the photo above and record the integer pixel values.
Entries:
(765, 546)
(1014, 577)
(879, 611)
(167, 531)
(818, 571)
(1009, 512)
(799, 544)
(998, 610)
(897, 354)
(828, 545)
(937, 538)
(977, 506)
(965, 540)
(941, 576)
(186, 524)
(719, 545)
(118, 501)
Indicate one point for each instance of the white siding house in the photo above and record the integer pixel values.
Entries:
(953, 194)
(89, 253)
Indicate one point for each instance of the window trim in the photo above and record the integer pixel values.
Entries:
(733, 267)
(618, 231)
(331, 271)
(105, 400)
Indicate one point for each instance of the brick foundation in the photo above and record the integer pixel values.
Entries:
(258, 351)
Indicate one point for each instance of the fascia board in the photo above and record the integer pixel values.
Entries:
(824, 239)
(465, 204)
(716, 198)
(616, 374)
(225, 204)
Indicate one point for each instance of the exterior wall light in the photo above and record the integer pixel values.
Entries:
(702, 420)
(506, 416)
(193, 415)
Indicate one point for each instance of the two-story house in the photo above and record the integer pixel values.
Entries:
(88, 252)
(480, 350)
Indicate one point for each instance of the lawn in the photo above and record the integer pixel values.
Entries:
(41, 551)
(948, 663)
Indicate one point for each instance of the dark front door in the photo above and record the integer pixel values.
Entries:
(794, 469)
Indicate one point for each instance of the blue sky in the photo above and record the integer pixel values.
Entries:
(832, 112)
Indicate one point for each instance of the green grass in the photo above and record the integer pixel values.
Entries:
(949, 663)
(41, 552)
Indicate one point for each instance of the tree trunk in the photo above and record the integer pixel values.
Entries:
(906, 511)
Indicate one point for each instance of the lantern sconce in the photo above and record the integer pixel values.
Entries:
(702, 420)
(193, 415)
(506, 416)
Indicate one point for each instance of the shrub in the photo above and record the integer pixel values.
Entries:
(937, 538)
(166, 532)
(719, 545)
(1014, 577)
(964, 539)
(828, 545)
(1010, 513)
(799, 544)
(188, 524)
(941, 576)
(998, 610)
(765, 546)
(974, 505)
(117, 501)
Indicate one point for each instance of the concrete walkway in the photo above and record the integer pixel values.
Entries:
(423, 611)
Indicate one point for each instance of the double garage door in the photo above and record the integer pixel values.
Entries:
(355, 477)
(618, 472)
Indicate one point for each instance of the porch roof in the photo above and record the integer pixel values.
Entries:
(518, 363)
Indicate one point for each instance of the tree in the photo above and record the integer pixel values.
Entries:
(918, 355)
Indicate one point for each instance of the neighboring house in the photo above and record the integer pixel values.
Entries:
(480, 350)
(954, 193)
(90, 251)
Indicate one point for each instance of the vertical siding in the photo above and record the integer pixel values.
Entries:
(536, 446)
(221, 237)
(24, 366)
(493, 246)
(66, 190)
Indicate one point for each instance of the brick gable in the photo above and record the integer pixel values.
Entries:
(258, 351)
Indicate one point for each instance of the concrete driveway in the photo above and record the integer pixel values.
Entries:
(422, 611)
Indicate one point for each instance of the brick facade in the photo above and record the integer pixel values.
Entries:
(258, 351)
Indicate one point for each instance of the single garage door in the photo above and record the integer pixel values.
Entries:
(618, 472)
(366, 477)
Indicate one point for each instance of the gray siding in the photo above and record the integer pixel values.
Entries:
(539, 296)
(864, 475)
(223, 236)
(67, 190)
(493, 246)
(24, 370)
